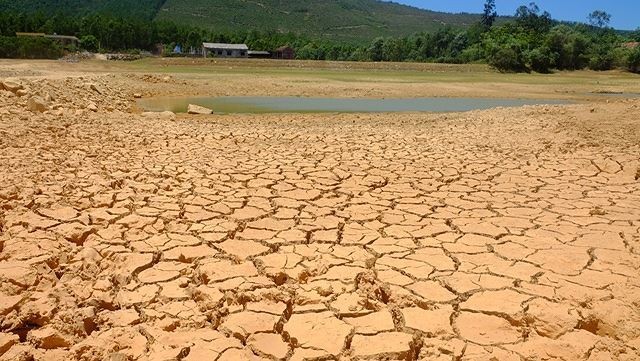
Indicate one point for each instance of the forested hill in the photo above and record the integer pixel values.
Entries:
(347, 20)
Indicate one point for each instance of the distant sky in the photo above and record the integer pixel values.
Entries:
(625, 14)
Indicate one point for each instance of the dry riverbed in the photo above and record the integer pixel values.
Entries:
(508, 234)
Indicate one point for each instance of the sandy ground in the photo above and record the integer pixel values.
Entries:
(509, 234)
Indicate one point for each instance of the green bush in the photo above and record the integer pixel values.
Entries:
(29, 48)
(633, 61)
(541, 60)
(507, 59)
(89, 43)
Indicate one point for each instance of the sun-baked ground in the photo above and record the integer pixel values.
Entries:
(509, 234)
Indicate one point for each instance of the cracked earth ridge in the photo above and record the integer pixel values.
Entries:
(499, 235)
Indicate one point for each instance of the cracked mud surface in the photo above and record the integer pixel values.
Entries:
(497, 235)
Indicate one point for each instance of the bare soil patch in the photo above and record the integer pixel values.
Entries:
(508, 234)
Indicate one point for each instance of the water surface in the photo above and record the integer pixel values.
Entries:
(225, 105)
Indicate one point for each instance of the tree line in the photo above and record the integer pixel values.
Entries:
(532, 41)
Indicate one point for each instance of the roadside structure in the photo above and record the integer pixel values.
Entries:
(221, 50)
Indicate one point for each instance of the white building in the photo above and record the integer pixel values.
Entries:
(220, 50)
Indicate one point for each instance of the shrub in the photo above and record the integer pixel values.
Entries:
(541, 60)
(89, 43)
(507, 59)
(29, 48)
(633, 61)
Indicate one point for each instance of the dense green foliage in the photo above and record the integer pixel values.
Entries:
(141, 9)
(349, 21)
(633, 61)
(531, 42)
(29, 48)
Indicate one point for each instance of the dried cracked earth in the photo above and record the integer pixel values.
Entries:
(496, 235)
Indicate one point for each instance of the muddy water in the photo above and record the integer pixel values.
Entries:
(226, 105)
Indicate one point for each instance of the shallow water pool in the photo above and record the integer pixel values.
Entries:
(225, 105)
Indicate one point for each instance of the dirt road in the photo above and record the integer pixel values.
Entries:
(510, 234)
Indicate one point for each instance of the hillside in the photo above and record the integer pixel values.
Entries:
(348, 20)
(146, 9)
(342, 19)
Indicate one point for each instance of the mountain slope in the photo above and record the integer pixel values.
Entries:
(146, 9)
(343, 19)
(347, 20)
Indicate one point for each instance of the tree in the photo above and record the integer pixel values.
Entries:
(530, 18)
(89, 42)
(570, 47)
(376, 50)
(489, 15)
(599, 19)
(633, 62)
(541, 59)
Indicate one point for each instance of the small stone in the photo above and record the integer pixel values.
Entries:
(37, 104)
(160, 115)
(6, 341)
(196, 109)
(48, 338)
(12, 86)
(95, 88)
(92, 107)
(8, 303)
(137, 95)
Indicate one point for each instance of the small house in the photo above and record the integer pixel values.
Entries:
(220, 50)
(257, 54)
(284, 52)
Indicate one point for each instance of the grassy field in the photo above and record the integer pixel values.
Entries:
(401, 73)
(352, 79)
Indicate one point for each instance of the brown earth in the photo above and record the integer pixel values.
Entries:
(509, 234)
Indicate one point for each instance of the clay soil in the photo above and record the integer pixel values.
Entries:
(508, 234)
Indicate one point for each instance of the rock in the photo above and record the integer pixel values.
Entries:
(137, 95)
(12, 86)
(196, 109)
(6, 341)
(92, 106)
(95, 88)
(9, 303)
(22, 92)
(161, 115)
(48, 338)
(37, 104)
